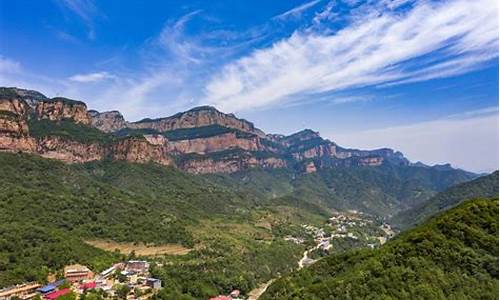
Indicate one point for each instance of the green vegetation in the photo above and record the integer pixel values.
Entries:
(482, 187)
(453, 256)
(197, 132)
(30, 253)
(124, 202)
(67, 129)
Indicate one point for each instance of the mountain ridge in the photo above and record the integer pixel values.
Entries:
(200, 140)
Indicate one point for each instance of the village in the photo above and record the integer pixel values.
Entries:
(125, 280)
(351, 228)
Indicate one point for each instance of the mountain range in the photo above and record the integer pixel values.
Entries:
(204, 140)
(204, 180)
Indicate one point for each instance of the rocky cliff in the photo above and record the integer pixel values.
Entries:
(59, 108)
(197, 117)
(14, 131)
(215, 143)
(108, 121)
(200, 140)
(229, 163)
(69, 151)
(139, 150)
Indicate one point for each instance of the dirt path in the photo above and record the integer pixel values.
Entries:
(140, 249)
(258, 291)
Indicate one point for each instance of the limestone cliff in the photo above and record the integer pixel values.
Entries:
(108, 121)
(14, 132)
(57, 109)
(69, 151)
(139, 150)
(230, 164)
(215, 143)
(197, 117)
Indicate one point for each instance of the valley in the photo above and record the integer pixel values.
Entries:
(212, 203)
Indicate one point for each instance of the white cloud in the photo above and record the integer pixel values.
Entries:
(91, 77)
(431, 40)
(9, 66)
(86, 10)
(297, 11)
(470, 143)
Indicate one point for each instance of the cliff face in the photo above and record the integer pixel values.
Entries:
(214, 144)
(197, 117)
(231, 164)
(201, 140)
(14, 132)
(69, 151)
(58, 109)
(139, 150)
(108, 121)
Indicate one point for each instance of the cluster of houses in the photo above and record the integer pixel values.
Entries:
(79, 279)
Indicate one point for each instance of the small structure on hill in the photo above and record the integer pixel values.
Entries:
(75, 273)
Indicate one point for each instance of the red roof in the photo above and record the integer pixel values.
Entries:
(220, 297)
(56, 294)
(88, 285)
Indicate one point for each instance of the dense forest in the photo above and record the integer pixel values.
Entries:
(482, 187)
(452, 256)
(234, 223)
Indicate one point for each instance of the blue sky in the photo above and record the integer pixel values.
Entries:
(417, 76)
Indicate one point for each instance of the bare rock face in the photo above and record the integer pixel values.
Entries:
(214, 144)
(310, 167)
(69, 151)
(317, 151)
(139, 150)
(197, 117)
(14, 133)
(108, 121)
(230, 165)
(371, 161)
(58, 109)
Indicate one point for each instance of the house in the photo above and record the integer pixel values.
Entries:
(88, 285)
(153, 283)
(47, 289)
(57, 294)
(23, 291)
(137, 266)
(75, 273)
(109, 271)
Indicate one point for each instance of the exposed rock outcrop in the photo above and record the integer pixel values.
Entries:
(69, 151)
(58, 109)
(139, 150)
(206, 165)
(197, 117)
(215, 143)
(14, 132)
(108, 121)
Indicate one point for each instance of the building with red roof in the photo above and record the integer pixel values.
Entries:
(57, 294)
(88, 285)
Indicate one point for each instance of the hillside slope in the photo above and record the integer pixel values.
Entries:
(453, 256)
(482, 187)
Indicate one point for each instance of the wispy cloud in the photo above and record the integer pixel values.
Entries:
(429, 40)
(8, 65)
(86, 10)
(297, 11)
(91, 77)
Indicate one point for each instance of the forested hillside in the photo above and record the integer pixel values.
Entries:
(452, 256)
(482, 187)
